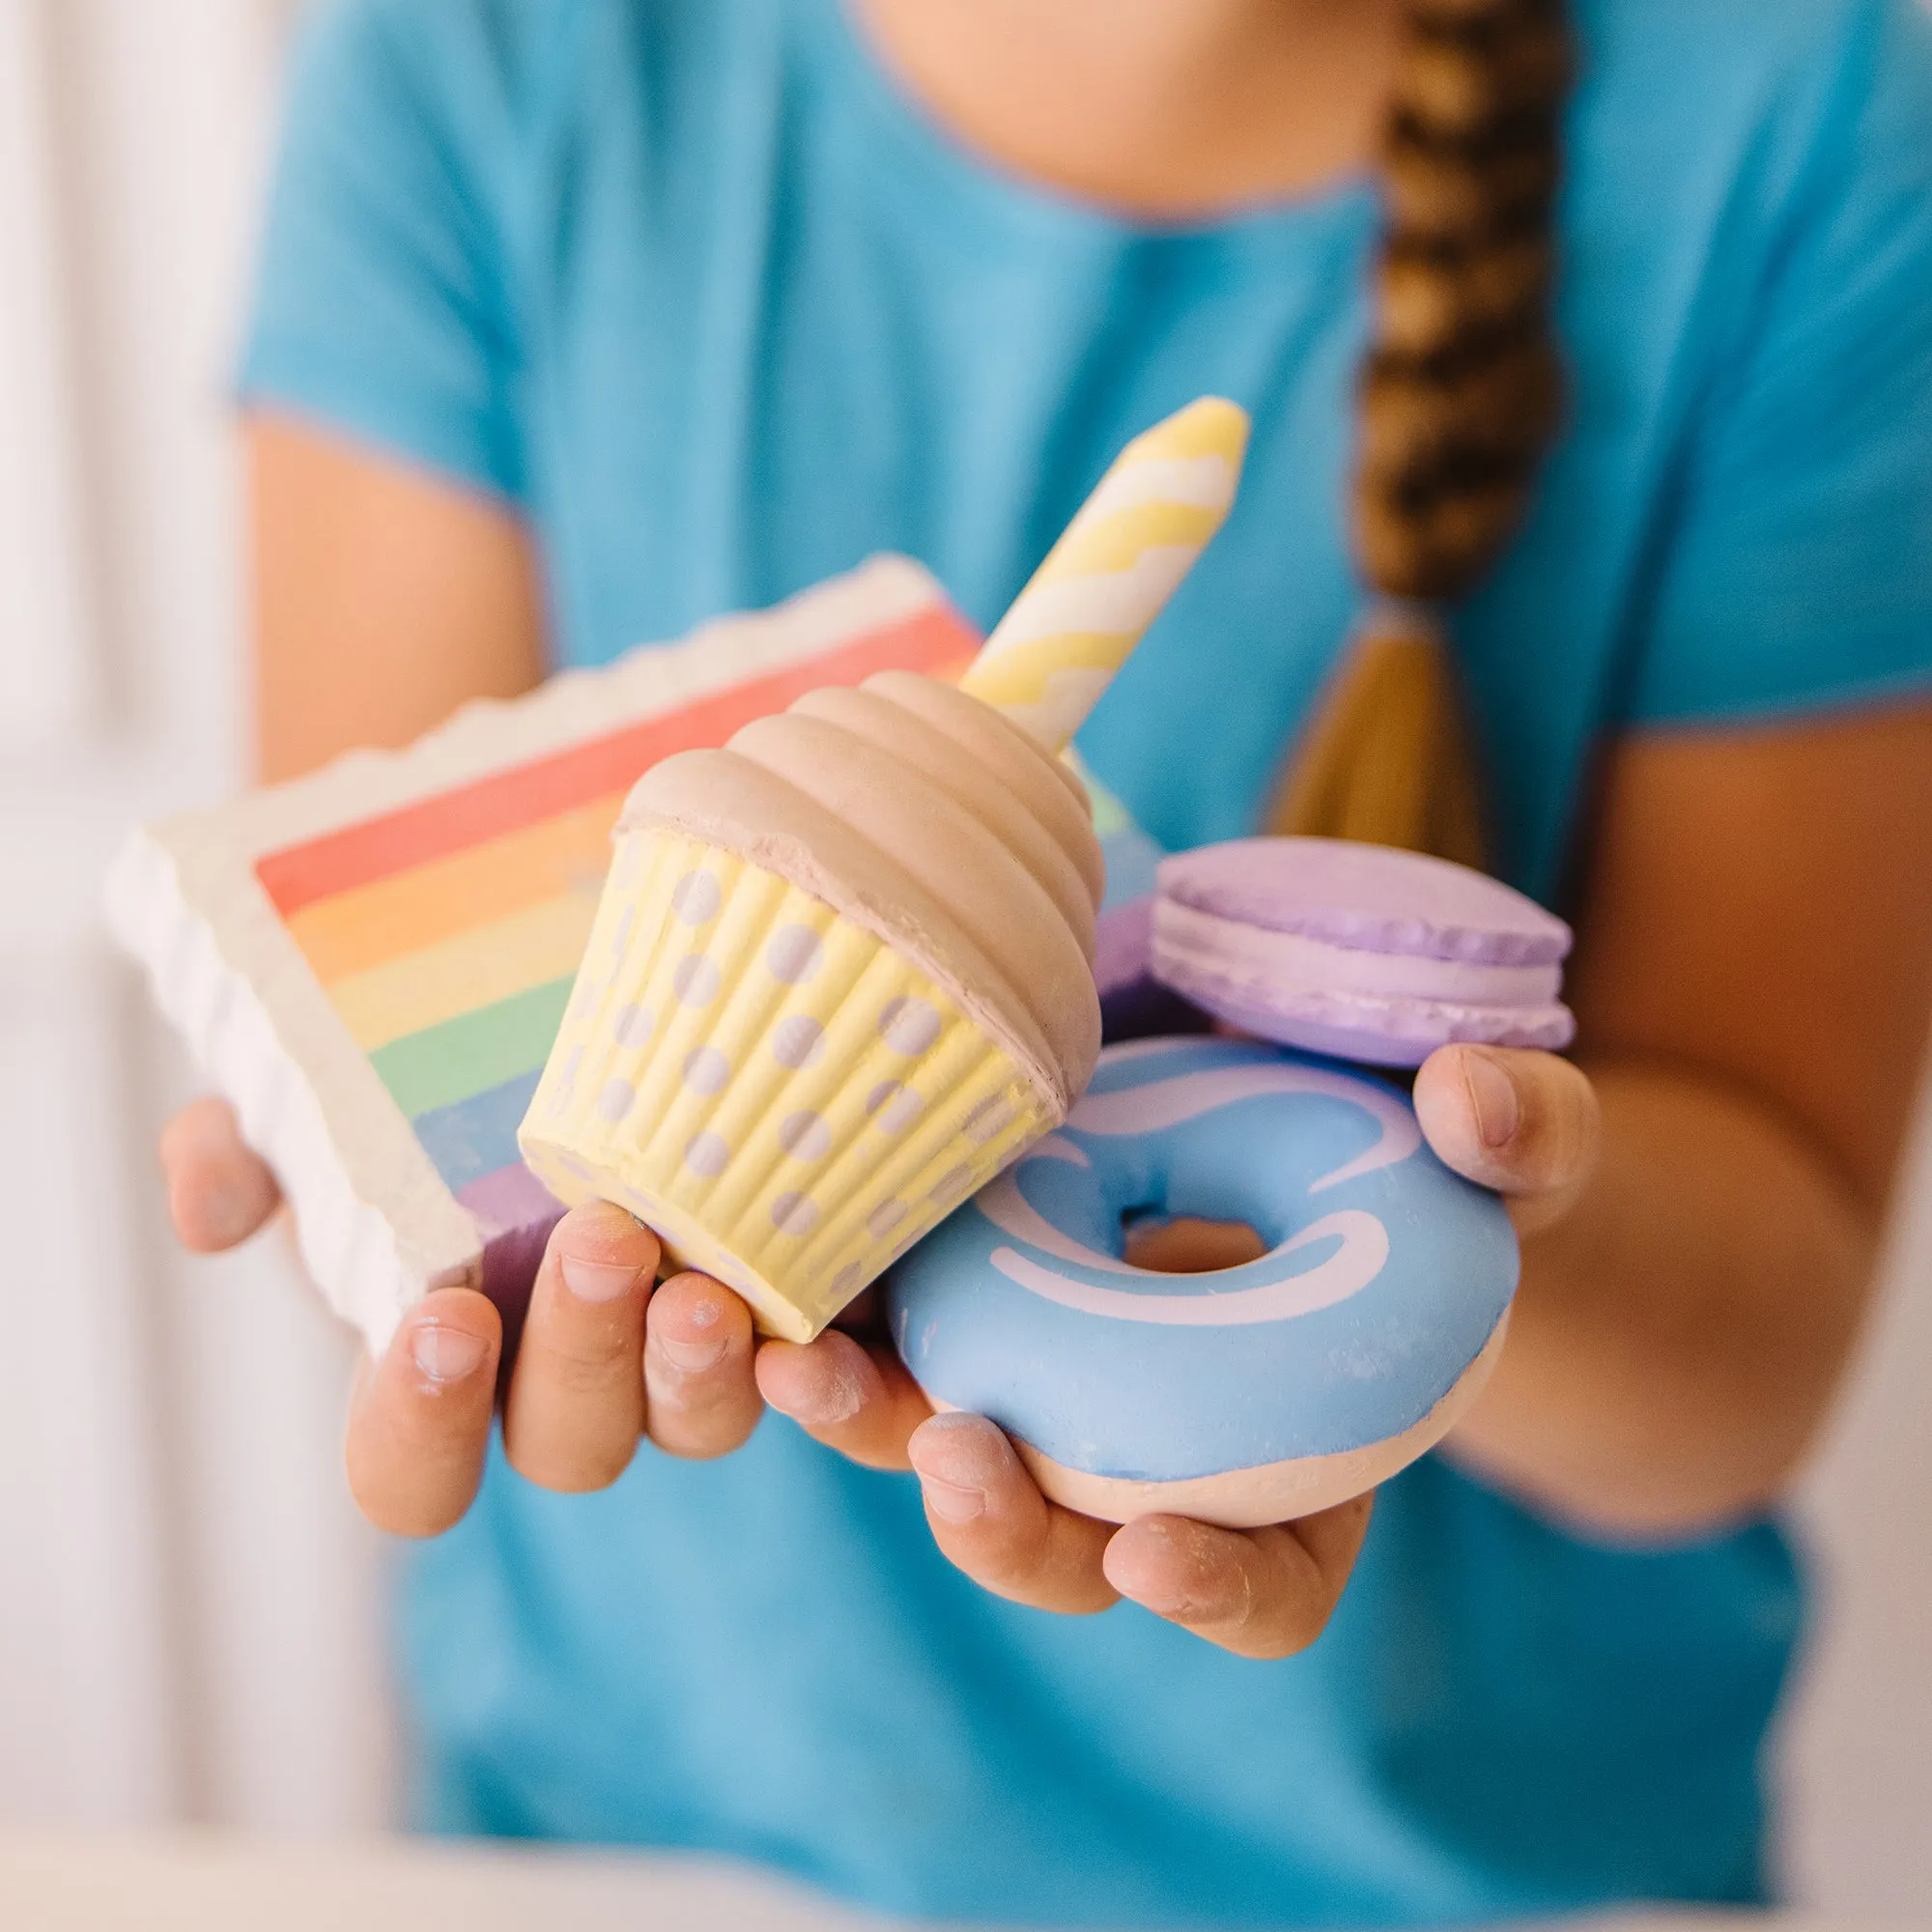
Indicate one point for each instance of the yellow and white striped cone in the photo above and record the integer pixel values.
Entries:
(1112, 572)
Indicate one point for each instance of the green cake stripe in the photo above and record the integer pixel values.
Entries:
(446, 1064)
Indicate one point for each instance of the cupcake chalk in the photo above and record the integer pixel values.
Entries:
(931, 844)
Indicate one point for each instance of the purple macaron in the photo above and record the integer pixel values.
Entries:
(1358, 951)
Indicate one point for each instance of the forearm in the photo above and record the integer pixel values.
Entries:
(1678, 1333)
(384, 597)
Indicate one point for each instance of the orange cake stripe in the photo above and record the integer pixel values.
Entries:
(356, 930)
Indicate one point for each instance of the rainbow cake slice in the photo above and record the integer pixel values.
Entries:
(372, 962)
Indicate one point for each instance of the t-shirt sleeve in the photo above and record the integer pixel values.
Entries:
(383, 305)
(1796, 569)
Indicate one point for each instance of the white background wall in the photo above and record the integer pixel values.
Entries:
(190, 1621)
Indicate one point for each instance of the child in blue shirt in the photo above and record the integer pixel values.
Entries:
(581, 321)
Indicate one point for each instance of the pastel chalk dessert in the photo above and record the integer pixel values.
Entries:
(372, 963)
(793, 1050)
(1133, 1004)
(843, 971)
(1244, 1396)
(1358, 951)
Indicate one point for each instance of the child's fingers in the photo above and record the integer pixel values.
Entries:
(700, 1399)
(853, 1399)
(220, 1191)
(1262, 1593)
(989, 1517)
(576, 1403)
(1525, 1124)
(419, 1422)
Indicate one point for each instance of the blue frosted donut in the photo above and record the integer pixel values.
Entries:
(1244, 1396)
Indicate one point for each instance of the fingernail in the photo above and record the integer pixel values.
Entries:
(952, 1501)
(692, 1357)
(446, 1355)
(1493, 1093)
(596, 1281)
(1163, 1598)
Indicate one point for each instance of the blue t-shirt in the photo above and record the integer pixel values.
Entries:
(696, 288)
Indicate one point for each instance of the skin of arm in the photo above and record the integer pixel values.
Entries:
(1752, 982)
(382, 599)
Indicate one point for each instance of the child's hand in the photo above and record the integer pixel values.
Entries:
(1524, 1124)
(1261, 1593)
(577, 1406)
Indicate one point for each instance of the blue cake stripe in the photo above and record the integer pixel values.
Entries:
(476, 1136)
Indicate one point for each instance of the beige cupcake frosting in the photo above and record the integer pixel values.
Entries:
(925, 818)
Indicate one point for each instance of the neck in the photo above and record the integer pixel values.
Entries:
(1166, 109)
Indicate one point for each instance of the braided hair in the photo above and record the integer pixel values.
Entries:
(1461, 395)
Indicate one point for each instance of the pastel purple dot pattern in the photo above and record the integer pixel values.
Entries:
(707, 1154)
(894, 1107)
(614, 1100)
(575, 1164)
(634, 1025)
(696, 980)
(706, 1070)
(793, 955)
(798, 1041)
(794, 1214)
(696, 897)
(567, 1086)
(804, 1135)
(909, 1026)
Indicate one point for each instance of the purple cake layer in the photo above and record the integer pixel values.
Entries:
(510, 1198)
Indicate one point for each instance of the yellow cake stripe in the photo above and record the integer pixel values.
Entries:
(1113, 571)
(465, 971)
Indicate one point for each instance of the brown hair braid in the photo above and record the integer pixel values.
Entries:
(1460, 394)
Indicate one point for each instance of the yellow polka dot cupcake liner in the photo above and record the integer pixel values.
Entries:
(787, 1101)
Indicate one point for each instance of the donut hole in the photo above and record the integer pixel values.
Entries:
(1187, 1243)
